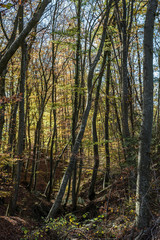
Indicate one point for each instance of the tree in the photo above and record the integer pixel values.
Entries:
(108, 79)
(94, 131)
(144, 159)
(21, 113)
(75, 104)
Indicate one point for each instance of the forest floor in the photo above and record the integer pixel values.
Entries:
(110, 215)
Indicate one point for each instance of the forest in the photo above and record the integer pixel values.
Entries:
(79, 119)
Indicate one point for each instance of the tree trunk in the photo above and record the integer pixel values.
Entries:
(13, 202)
(2, 103)
(143, 171)
(54, 134)
(106, 179)
(125, 127)
(158, 109)
(35, 150)
(94, 132)
(12, 127)
(75, 107)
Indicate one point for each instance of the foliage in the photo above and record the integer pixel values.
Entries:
(58, 53)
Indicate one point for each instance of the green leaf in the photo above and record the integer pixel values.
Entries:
(25, 231)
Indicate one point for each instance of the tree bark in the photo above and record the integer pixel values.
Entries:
(94, 132)
(108, 79)
(12, 127)
(143, 171)
(125, 127)
(2, 102)
(75, 107)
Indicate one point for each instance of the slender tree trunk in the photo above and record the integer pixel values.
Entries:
(22, 89)
(68, 192)
(2, 102)
(131, 98)
(94, 132)
(158, 109)
(108, 78)
(37, 154)
(75, 107)
(27, 128)
(125, 94)
(139, 68)
(35, 149)
(143, 171)
(54, 117)
(12, 127)
(80, 170)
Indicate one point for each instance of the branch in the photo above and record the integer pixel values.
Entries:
(13, 35)
(15, 45)
(3, 29)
